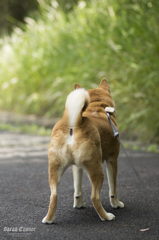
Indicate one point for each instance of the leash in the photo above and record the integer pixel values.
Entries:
(110, 110)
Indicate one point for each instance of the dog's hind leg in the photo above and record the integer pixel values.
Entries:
(55, 173)
(96, 175)
(111, 168)
(78, 195)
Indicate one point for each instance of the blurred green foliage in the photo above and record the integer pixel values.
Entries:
(12, 13)
(31, 129)
(118, 40)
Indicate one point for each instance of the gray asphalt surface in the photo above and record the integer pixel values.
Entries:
(24, 196)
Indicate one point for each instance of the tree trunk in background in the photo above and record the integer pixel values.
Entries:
(3, 16)
(12, 12)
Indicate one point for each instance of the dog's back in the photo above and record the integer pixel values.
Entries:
(85, 121)
(100, 98)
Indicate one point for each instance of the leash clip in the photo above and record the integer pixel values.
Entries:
(110, 110)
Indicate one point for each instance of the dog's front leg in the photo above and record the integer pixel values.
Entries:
(78, 196)
(55, 172)
(111, 168)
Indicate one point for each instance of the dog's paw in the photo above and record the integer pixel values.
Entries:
(45, 221)
(121, 205)
(110, 217)
(115, 203)
(78, 202)
(78, 205)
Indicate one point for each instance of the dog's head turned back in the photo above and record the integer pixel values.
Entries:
(100, 94)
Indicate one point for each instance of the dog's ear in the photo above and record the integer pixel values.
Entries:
(76, 86)
(104, 84)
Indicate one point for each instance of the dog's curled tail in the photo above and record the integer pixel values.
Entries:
(76, 103)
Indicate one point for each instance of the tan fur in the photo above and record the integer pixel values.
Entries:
(85, 145)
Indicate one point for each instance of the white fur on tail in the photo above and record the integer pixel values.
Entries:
(75, 102)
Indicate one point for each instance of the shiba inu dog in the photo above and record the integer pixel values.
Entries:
(84, 138)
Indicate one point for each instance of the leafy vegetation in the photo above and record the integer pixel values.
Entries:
(116, 40)
(31, 129)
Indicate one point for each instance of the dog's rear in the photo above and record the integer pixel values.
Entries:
(76, 140)
(69, 133)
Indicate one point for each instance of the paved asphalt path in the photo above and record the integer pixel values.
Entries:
(24, 196)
